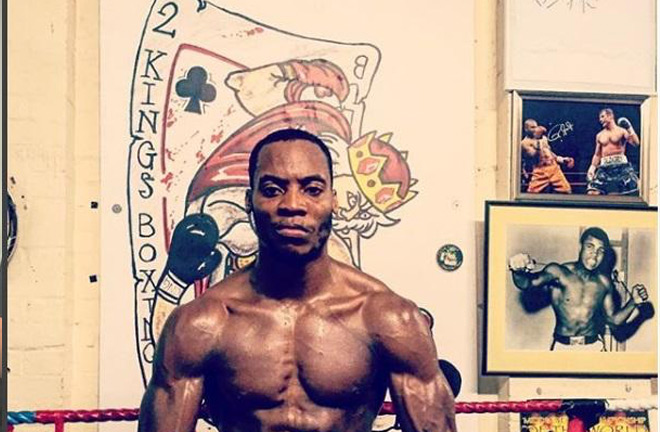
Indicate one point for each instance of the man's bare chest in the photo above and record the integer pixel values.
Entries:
(611, 140)
(276, 354)
(577, 292)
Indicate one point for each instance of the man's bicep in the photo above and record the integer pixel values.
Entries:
(172, 398)
(549, 275)
(609, 305)
(403, 334)
(171, 406)
(423, 405)
(419, 390)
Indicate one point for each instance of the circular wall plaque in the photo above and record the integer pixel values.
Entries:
(449, 257)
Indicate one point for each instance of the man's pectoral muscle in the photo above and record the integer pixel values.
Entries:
(420, 392)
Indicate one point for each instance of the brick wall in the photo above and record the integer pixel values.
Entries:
(53, 175)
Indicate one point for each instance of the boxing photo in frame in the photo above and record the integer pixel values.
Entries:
(570, 290)
(574, 147)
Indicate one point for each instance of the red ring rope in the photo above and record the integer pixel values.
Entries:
(129, 414)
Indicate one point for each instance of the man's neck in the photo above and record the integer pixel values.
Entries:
(290, 278)
(584, 272)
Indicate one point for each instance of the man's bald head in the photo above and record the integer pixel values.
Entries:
(286, 135)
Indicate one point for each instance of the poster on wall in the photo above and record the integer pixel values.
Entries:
(621, 421)
(596, 46)
(571, 290)
(190, 86)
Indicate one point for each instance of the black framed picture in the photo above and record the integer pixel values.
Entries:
(570, 290)
(570, 147)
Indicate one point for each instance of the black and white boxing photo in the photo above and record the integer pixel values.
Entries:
(583, 287)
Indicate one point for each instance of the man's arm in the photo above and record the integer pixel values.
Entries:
(631, 138)
(173, 397)
(618, 316)
(528, 147)
(595, 160)
(629, 135)
(420, 392)
(521, 266)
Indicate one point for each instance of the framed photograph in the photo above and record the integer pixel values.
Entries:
(570, 290)
(552, 44)
(580, 148)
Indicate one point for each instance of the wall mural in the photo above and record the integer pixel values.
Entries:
(208, 83)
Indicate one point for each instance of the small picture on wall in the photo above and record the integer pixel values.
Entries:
(571, 290)
(579, 148)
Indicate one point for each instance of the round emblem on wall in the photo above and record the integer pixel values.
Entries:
(12, 227)
(450, 257)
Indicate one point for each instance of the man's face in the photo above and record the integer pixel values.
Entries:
(530, 127)
(592, 253)
(292, 200)
(604, 118)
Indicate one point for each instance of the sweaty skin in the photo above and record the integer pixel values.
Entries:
(581, 296)
(538, 150)
(612, 139)
(298, 341)
(546, 171)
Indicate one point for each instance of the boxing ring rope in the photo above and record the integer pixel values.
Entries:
(575, 408)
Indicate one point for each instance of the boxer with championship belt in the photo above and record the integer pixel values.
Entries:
(581, 293)
(610, 172)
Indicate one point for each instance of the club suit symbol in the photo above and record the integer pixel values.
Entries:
(195, 87)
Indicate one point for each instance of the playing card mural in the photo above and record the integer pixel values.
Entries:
(208, 84)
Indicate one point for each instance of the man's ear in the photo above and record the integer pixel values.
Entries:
(335, 202)
(248, 200)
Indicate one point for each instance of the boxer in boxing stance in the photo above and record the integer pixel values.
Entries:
(546, 175)
(610, 172)
(580, 292)
(296, 341)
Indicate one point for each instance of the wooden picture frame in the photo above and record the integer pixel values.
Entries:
(554, 165)
(523, 326)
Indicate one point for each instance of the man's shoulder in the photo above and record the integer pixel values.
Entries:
(378, 296)
(605, 280)
(212, 304)
(383, 308)
(201, 320)
(357, 280)
(620, 130)
(528, 143)
(236, 285)
(560, 268)
(204, 309)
